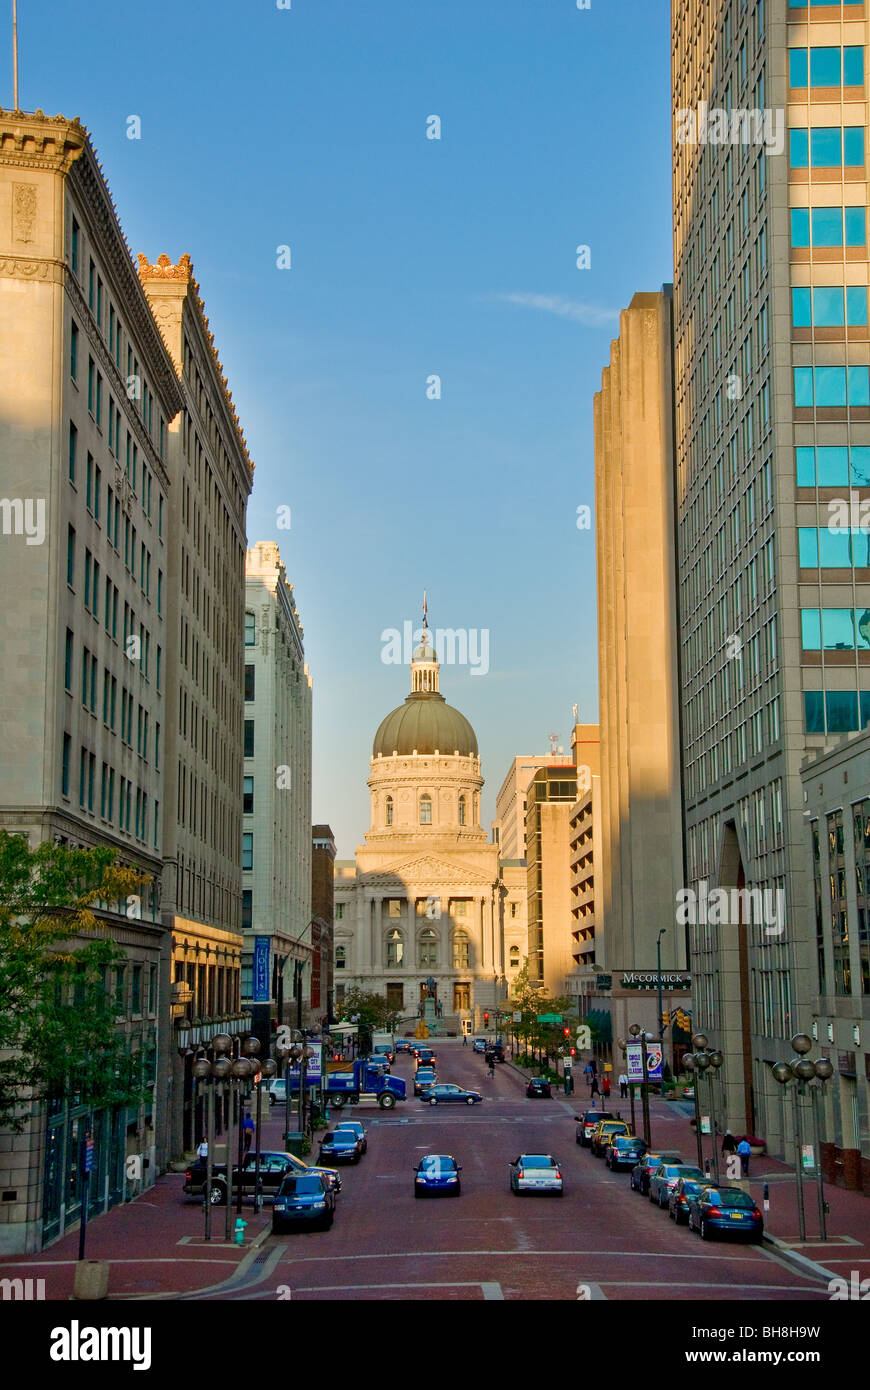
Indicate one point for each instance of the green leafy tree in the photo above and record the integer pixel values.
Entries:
(529, 998)
(372, 1012)
(58, 1022)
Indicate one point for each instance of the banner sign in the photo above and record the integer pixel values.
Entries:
(262, 969)
(634, 1062)
(313, 1069)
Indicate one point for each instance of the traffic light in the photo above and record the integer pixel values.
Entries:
(573, 1052)
(486, 1018)
(567, 1032)
(666, 1018)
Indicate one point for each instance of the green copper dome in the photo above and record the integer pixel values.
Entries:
(425, 722)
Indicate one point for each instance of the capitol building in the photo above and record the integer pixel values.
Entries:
(425, 911)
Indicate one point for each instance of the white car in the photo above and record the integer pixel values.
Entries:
(277, 1091)
(536, 1173)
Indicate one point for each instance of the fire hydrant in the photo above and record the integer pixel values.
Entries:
(240, 1230)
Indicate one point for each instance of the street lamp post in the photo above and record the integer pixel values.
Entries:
(624, 1049)
(662, 931)
(802, 1070)
(637, 1032)
(215, 1073)
(704, 1059)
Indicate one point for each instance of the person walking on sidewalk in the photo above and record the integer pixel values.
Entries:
(594, 1089)
(729, 1143)
(464, 1039)
(605, 1086)
(202, 1149)
(248, 1128)
(623, 1085)
(744, 1149)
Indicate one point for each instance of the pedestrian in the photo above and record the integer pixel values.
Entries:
(729, 1143)
(248, 1128)
(605, 1086)
(593, 1087)
(202, 1149)
(587, 1072)
(464, 1039)
(623, 1085)
(744, 1149)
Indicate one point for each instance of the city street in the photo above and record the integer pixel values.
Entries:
(490, 1244)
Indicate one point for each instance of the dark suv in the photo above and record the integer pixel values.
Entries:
(303, 1198)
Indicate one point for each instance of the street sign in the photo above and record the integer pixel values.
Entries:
(549, 1018)
(518, 1016)
(88, 1162)
(705, 1124)
(313, 1067)
(808, 1157)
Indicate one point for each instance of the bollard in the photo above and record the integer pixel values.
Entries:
(240, 1230)
(91, 1279)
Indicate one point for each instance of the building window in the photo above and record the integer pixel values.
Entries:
(395, 949)
(513, 909)
(460, 907)
(250, 629)
(394, 907)
(70, 556)
(389, 811)
(74, 350)
(461, 998)
(339, 911)
(462, 810)
(247, 850)
(249, 682)
(427, 954)
(515, 958)
(73, 449)
(248, 796)
(74, 247)
(460, 951)
(249, 738)
(396, 997)
(247, 907)
(425, 809)
(67, 746)
(68, 662)
(341, 958)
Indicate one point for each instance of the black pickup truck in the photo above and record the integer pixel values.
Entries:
(273, 1168)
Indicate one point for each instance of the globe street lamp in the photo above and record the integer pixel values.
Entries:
(215, 1073)
(802, 1070)
(624, 1049)
(704, 1059)
(637, 1032)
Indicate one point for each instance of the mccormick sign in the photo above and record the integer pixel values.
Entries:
(649, 979)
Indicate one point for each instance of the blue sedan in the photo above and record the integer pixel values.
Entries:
(725, 1209)
(340, 1144)
(437, 1173)
(446, 1095)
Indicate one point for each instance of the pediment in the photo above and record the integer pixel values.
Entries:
(424, 871)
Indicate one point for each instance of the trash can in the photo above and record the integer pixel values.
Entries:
(91, 1279)
(293, 1140)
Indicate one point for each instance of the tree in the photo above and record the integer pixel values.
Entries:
(530, 998)
(372, 1013)
(58, 1020)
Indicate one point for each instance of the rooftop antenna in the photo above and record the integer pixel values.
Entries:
(14, 55)
(554, 739)
(575, 708)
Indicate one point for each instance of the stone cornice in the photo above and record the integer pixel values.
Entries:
(182, 273)
(417, 871)
(32, 140)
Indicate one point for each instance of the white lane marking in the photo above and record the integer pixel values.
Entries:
(492, 1292)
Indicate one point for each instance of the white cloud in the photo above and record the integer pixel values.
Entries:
(590, 314)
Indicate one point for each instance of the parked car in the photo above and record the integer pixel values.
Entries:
(358, 1129)
(341, 1145)
(446, 1094)
(587, 1122)
(479, 1044)
(437, 1173)
(678, 1202)
(302, 1198)
(725, 1209)
(623, 1151)
(536, 1173)
(640, 1175)
(274, 1166)
(663, 1180)
(603, 1132)
(277, 1090)
(426, 1076)
(538, 1086)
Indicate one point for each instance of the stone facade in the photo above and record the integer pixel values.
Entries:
(277, 791)
(87, 392)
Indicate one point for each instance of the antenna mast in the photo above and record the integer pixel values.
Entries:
(15, 55)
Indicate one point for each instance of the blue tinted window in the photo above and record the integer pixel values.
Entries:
(833, 465)
(842, 710)
(803, 386)
(827, 227)
(797, 67)
(826, 146)
(825, 66)
(853, 67)
(830, 386)
(853, 142)
(808, 547)
(828, 309)
(811, 629)
(838, 629)
(805, 466)
(856, 304)
(813, 712)
(798, 149)
(800, 308)
(859, 386)
(835, 549)
(864, 698)
(856, 227)
(800, 227)
(860, 466)
(859, 547)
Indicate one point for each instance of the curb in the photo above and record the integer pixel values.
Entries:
(802, 1263)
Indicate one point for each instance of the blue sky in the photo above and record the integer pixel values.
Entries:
(410, 257)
